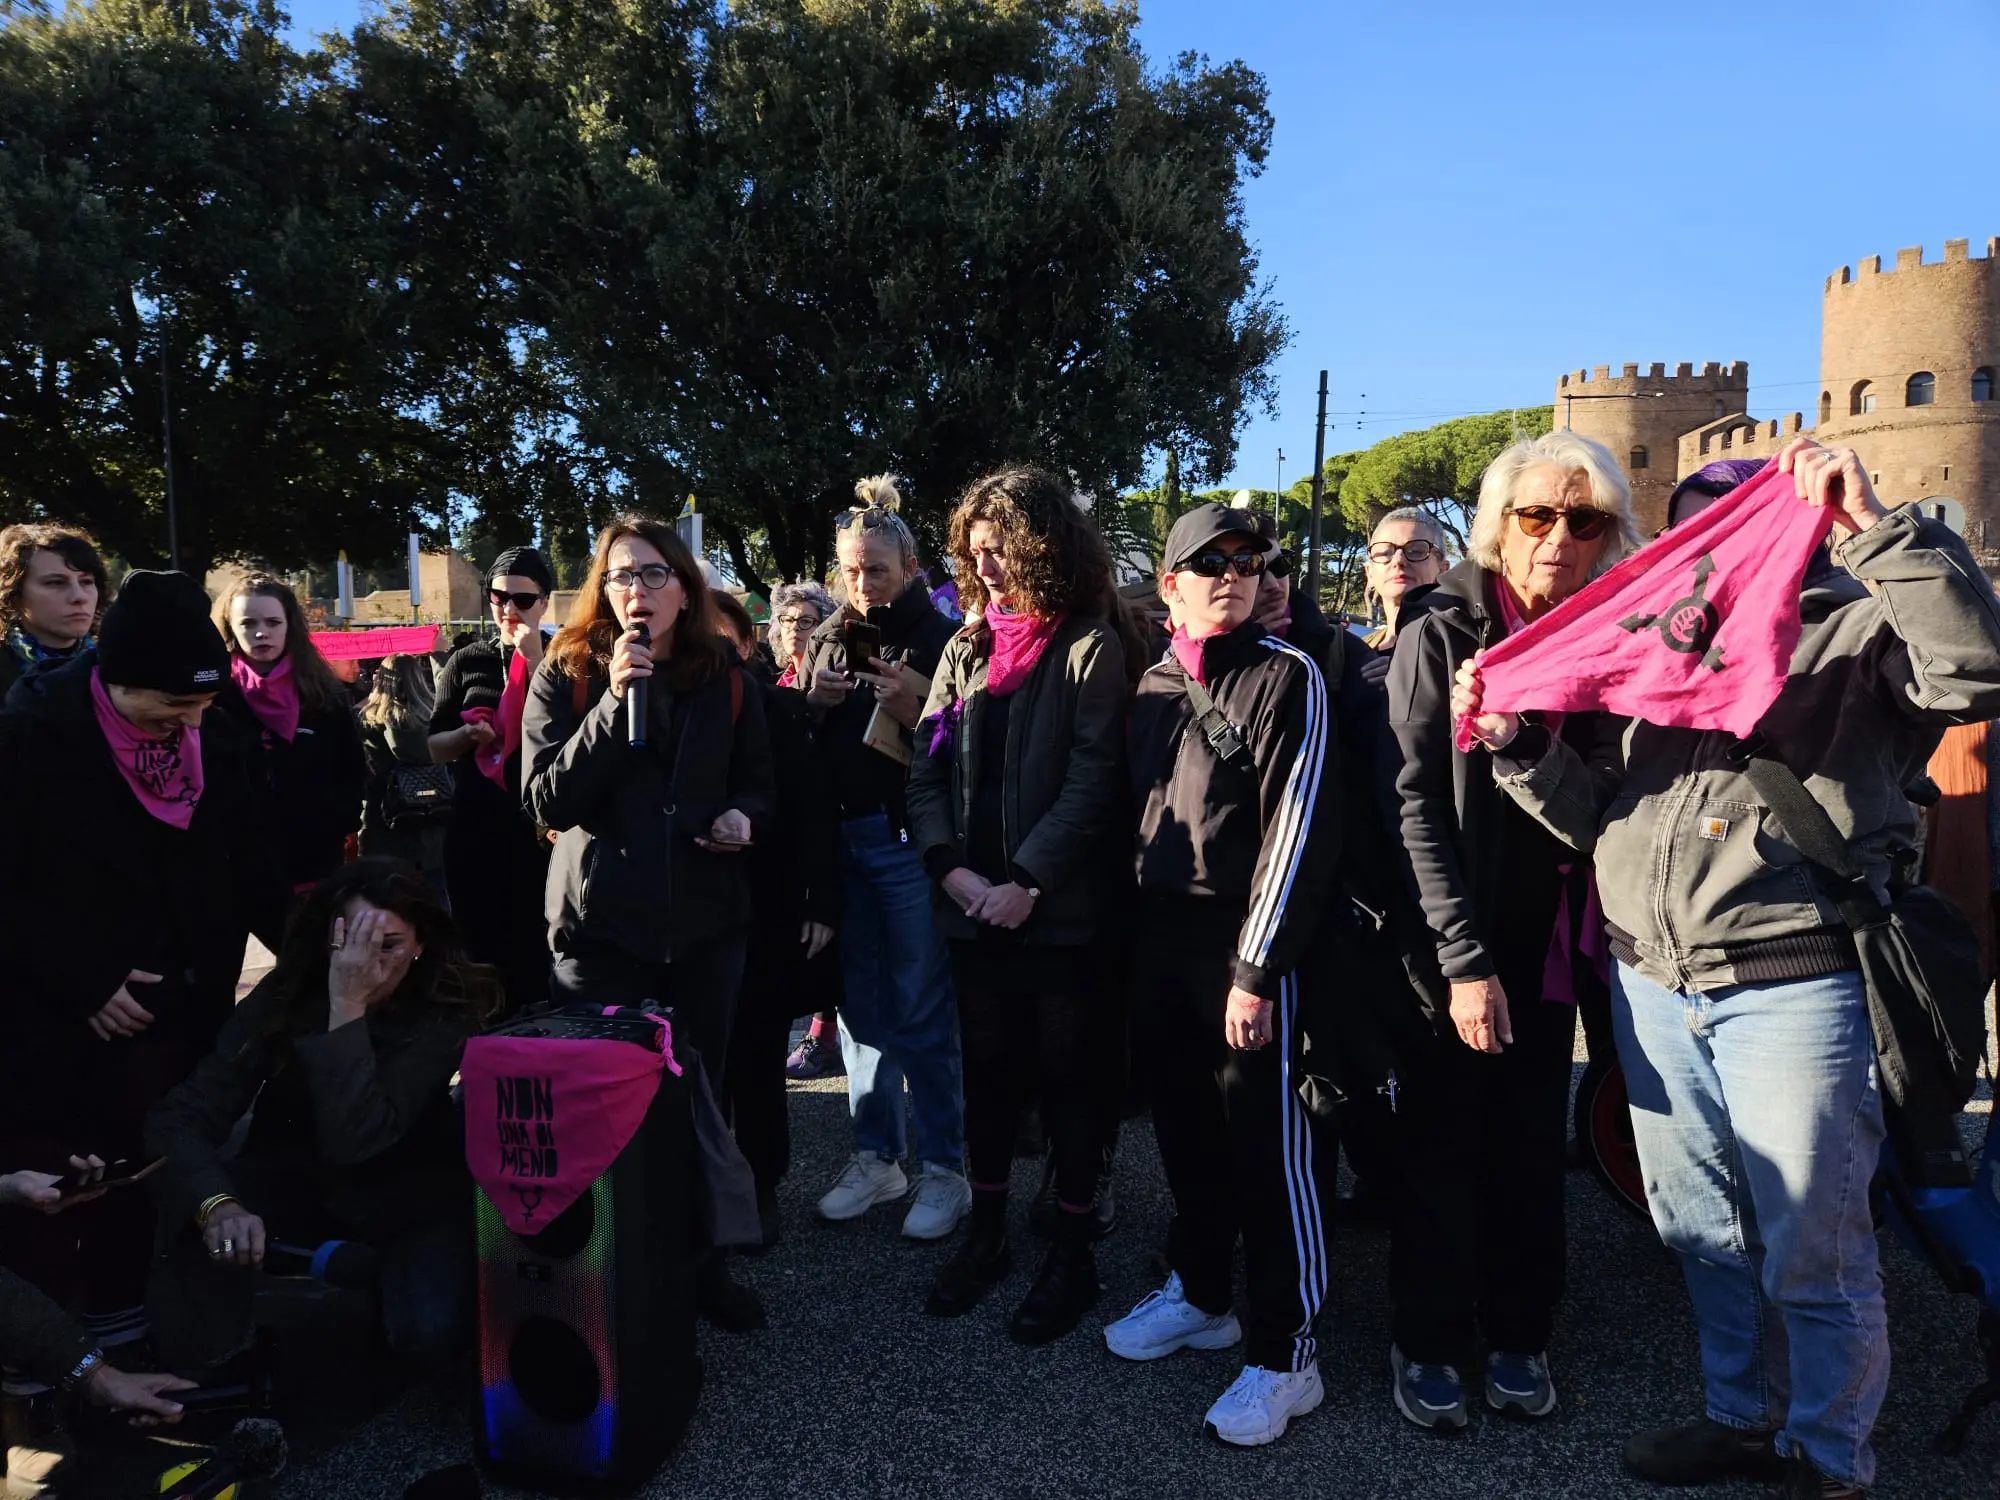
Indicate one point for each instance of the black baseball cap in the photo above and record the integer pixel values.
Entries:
(1204, 524)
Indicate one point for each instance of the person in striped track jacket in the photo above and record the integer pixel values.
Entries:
(1238, 833)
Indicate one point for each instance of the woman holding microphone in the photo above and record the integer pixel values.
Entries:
(646, 751)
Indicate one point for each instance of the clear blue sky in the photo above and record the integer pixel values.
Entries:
(1464, 199)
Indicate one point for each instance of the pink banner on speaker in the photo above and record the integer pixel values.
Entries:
(363, 645)
(546, 1116)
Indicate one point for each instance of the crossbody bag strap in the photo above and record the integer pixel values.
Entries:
(1219, 732)
(1815, 836)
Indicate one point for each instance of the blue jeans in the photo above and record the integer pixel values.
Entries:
(1759, 1123)
(898, 1016)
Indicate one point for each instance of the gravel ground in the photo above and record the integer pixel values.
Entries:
(854, 1392)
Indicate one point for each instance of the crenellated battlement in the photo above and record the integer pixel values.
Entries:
(1714, 378)
(1911, 258)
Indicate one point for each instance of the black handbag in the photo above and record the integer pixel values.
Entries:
(1919, 958)
(416, 796)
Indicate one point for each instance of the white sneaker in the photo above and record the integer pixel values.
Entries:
(943, 1198)
(1165, 1321)
(865, 1181)
(1257, 1408)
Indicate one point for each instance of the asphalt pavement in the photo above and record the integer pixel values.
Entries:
(853, 1391)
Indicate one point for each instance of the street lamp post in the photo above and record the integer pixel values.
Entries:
(1318, 492)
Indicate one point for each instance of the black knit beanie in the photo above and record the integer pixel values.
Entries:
(524, 562)
(157, 634)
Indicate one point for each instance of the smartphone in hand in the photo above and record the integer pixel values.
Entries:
(864, 644)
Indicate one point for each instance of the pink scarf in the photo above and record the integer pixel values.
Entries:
(1018, 643)
(1694, 631)
(1187, 651)
(790, 676)
(492, 759)
(273, 696)
(165, 775)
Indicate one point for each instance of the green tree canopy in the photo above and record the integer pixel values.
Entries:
(1436, 469)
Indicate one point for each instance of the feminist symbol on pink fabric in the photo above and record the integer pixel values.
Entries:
(1687, 625)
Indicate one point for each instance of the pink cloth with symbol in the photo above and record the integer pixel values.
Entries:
(164, 774)
(546, 1116)
(1694, 631)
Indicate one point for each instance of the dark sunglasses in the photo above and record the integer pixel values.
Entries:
(522, 602)
(1215, 564)
(1417, 551)
(1585, 523)
(1281, 565)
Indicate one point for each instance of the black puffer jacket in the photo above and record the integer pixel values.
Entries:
(311, 786)
(865, 781)
(1484, 873)
(128, 892)
(626, 868)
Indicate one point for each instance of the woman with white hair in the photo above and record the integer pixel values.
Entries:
(1405, 552)
(1482, 1118)
(797, 610)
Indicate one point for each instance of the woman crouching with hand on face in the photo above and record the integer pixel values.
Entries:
(347, 1050)
(649, 887)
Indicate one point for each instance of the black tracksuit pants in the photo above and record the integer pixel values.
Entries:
(1478, 1242)
(1234, 1135)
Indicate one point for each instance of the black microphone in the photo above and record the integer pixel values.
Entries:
(345, 1264)
(254, 1449)
(635, 698)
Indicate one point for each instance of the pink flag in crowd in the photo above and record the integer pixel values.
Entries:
(1695, 630)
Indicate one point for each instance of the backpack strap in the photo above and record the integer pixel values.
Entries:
(1219, 732)
(1815, 836)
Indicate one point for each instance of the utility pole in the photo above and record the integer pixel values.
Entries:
(1278, 503)
(1318, 491)
(167, 447)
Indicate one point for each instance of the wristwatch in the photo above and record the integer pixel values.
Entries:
(85, 1368)
(1034, 893)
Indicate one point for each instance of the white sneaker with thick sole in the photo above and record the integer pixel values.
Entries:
(943, 1198)
(1165, 1321)
(865, 1181)
(1258, 1407)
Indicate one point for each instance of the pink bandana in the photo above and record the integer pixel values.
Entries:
(165, 775)
(492, 759)
(790, 676)
(1018, 642)
(1693, 631)
(544, 1117)
(1187, 651)
(273, 697)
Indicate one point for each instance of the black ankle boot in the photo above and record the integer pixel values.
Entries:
(1804, 1482)
(981, 1261)
(726, 1303)
(1064, 1292)
(1701, 1453)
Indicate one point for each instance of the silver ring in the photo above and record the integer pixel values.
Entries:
(227, 1247)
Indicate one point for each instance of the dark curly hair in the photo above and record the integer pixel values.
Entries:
(1057, 562)
(18, 546)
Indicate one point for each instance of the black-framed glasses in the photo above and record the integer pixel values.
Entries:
(654, 577)
(809, 622)
(522, 602)
(1215, 564)
(1414, 551)
(1585, 523)
(1281, 564)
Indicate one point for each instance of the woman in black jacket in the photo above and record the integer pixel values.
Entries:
(123, 952)
(1478, 1242)
(795, 907)
(347, 1049)
(284, 699)
(53, 591)
(649, 888)
(1013, 796)
(496, 859)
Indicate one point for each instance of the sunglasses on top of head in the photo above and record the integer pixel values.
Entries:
(1585, 523)
(522, 602)
(1215, 564)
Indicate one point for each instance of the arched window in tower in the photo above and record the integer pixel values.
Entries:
(1860, 400)
(1920, 389)
(1825, 406)
(1982, 383)
(1639, 459)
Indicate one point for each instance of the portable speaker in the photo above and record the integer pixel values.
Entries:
(588, 1369)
